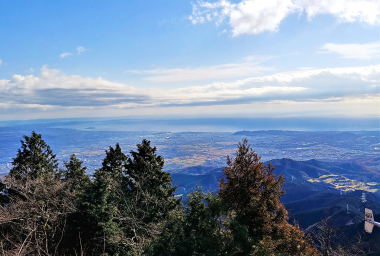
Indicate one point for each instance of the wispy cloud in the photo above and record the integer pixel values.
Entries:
(65, 55)
(81, 49)
(1, 62)
(354, 51)
(78, 51)
(249, 66)
(257, 16)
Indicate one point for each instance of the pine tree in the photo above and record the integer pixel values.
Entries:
(258, 220)
(146, 180)
(34, 159)
(75, 174)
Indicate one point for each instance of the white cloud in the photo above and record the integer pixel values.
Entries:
(1, 62)
(51, 90)
(51, 87)
(257, 16)
(295, 85)
(354, 51)
(250, 66)
(65, 55)
(81, 49)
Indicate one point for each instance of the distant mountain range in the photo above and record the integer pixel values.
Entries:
(308, 198)
(315, 191)
(311, 175)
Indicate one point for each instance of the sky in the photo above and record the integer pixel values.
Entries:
(189, 58)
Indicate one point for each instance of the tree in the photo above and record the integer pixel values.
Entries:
(102, 221)
(34, 222)
(330, 243)
(149, 197)
(128, 200)
(34, 159)
(146, 180)
(192, 230)
(257, 219)
(75, 175)
(114, 163)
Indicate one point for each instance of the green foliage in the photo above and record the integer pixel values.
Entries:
(114, 163)
(192, 230)
(106, 191)
(148, 185)
(127, 201)
(34, 159)
(100, 205)
(75, 174)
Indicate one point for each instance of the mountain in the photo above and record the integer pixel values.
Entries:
(191, 178)
(302, 178)
(315, 191)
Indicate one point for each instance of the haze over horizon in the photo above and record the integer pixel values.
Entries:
(178, 124)
(193, 59)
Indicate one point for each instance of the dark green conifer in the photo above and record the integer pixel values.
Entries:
(34, 159)
(148, 185)
(192, 230)
(75, 174)
(114, 163)
(101, 204)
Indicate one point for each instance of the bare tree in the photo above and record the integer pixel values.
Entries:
(329, 242)
(34, 221)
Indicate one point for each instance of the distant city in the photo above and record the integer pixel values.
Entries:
(184, 148)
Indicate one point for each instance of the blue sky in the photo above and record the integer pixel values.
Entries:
(246, 58)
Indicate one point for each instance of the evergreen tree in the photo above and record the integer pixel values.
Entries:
(193, 230)
(75, 174)
(148, 185)
(258, 220)
(114, 163)
(202, 227)
(101, 204)
(34, 159)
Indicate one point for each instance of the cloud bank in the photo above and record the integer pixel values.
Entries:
(52, 88)
(257, 16)
(51, 91)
